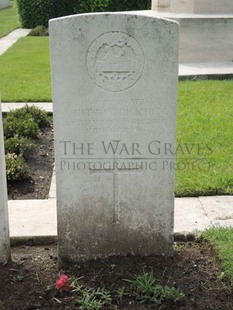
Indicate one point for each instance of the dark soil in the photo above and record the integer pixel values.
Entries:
(28, 281)
(41, 166)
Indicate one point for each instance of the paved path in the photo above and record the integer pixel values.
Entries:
(7, 41)
(206, 70)
(37, 218)
(8, 106)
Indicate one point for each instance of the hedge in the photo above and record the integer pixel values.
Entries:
(38, 12)
(113, 5)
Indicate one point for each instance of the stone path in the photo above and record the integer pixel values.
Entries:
(206, 70)
(8, 106)
(7, 41)
(36, 219)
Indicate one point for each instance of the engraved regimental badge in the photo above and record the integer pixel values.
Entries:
(115, 61)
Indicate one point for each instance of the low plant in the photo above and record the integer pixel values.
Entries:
(143, 288)
(21, 126)
(39, 31)
(93, 299)
(20, 146)
(121, 293)
(178, 247)
(12, 145)
(16, 167)
(27, 127)
(25, 122)
(38, 115)
(146, 289)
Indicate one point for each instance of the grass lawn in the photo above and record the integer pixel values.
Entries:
(26, 71)
(222, 240)
(8, 20)
(205, 129)
(205, 117)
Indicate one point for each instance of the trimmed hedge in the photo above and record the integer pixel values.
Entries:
(38, 12)
(86, 6)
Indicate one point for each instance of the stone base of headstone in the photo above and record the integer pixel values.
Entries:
(4, 224)
(205, 39)
(193, 6)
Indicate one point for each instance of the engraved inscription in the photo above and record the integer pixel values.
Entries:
(115, 61)
(99, 115)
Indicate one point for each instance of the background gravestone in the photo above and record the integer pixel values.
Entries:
(4, 225)
(115, 95)
(4, 4)
(194, 6)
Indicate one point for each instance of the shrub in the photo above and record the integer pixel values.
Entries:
(38, 115)
(22, 127)
(20, 146)
(27, 148)
(12, 145)
(39, 31)
(16, 167)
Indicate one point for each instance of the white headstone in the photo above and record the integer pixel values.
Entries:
(115, 96)
(4, 225)
(4, 4)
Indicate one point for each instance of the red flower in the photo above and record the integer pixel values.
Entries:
(62, 284)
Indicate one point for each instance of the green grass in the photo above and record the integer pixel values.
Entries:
(222, 240)
(25, 71)
(205, 121)
(8, 20)
(205, 114)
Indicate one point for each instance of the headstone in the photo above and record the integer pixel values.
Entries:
(115, 95)
(4, 4)
(4, 225)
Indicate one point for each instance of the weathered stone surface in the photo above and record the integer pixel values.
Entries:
(161, 5)
(4, 226)
(114, 93)
(194, 6)
(4, 4)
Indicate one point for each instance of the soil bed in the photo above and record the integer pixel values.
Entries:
(41, 166)
(28, 281)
